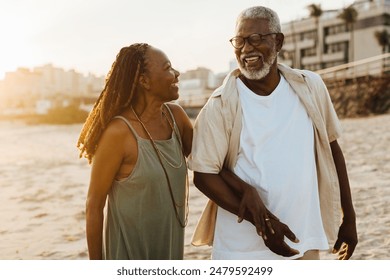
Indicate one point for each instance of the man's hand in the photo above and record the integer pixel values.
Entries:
(346, 240)
(275, 242)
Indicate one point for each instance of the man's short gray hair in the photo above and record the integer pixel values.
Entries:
(260, 12)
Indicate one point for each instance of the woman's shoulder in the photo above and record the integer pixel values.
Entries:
(178, 112)
(117, 128)
(175, 108)
(181, 117)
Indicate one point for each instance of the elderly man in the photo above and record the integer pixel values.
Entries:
(276, 129)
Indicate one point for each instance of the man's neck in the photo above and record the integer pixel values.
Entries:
(264, 86)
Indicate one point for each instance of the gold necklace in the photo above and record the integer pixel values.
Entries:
(160, 156)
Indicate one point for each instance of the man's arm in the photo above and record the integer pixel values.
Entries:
(347, 232)
(226, 196)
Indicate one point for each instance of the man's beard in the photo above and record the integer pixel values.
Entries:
(259, 74)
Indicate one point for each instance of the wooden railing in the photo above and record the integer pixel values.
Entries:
(360, 88)
(373, 66)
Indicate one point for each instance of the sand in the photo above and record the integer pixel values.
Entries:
(43, 186)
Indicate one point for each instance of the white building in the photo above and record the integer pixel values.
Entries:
(316, 44)
(26, 88)
(196, 86)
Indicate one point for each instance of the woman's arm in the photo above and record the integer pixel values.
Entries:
(250, 198)
(185, 126)
(105, 165)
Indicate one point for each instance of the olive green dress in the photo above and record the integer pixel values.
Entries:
(141, 223)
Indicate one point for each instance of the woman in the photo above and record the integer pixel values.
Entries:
(137, 144)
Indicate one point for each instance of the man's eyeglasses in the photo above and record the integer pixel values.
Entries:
(255, 40)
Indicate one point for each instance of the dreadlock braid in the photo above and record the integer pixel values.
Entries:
(117, 94)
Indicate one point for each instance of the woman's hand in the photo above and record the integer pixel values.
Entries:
(251, 204)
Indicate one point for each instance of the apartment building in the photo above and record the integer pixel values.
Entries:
(25, 88)
(196, 86)
(327, 41)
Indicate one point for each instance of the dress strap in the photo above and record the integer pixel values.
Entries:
(128, 124)
(175, 127)
(170, 113)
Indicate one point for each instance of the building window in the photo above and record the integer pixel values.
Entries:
(313, 67)
(336, 47)
(308, 52)
(289, 39)
(336, 29)
(308, 35)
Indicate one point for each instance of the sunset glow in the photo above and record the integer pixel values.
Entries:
(86, 35)
(20, 24)
(12, 46)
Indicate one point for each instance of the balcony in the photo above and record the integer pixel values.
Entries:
(310, 60)
(336, 56)
(337, 38)
(305, 44)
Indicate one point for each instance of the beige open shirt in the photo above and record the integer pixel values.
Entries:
(217, 139)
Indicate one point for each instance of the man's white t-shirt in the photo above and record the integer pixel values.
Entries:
(277, 157)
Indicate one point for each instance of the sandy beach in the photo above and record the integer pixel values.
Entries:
(43, 187)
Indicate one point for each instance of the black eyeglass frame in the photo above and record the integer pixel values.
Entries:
(247, 39)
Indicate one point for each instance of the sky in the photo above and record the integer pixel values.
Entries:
(86, 35)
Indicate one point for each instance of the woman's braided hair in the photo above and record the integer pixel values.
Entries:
(118, 93)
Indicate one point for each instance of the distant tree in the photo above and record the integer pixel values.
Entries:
(383, 38)
(349, 16)
(316, 12)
